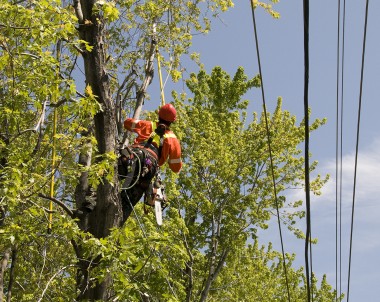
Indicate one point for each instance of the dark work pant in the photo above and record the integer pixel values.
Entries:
(136, 183)
(129, 198)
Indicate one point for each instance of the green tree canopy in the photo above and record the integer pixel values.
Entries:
(71, 71)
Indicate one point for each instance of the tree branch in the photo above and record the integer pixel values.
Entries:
(189, 270)
(51, 279)
(37, 205)
(3, 266)
(220, 263)
(140, 95)
(149, 71)
(11, 274)
(118, 108)
(60, 203)
(14, 27)
(78, 11)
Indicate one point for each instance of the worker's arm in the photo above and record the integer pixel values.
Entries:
(141, 127)
(171, 151)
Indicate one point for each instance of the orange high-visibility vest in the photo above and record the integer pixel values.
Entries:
(171, 148)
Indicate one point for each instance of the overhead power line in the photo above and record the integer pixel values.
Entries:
(357, 148)
(270, 148)
(339, 148)
(309, 272)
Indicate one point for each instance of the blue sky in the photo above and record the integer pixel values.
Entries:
(231, 44)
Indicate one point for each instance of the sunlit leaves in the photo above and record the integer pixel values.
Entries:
(226, 185)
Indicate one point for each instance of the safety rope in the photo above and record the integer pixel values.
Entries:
(159, 67)
(52, 180)
(357, 148)
(270, 149)
(138, 174)
(160, 77)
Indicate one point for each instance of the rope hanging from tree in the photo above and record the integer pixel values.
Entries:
(52, 180)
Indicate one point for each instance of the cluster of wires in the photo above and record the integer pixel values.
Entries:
(339, 135)
(339, 146)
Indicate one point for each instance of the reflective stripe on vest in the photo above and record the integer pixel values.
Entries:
(174, 161)
(168, 135)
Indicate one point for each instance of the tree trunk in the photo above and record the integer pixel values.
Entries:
(3, 266)
(213, 274)
(12, 274)
(107, 213)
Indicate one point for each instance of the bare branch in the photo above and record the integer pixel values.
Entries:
(59, 103)
(40, 121)
(78, 11)
(220, 263)
(78, 93)
(149, 71)
(118, 108)
(52, 278)
(37, 205)
(189, 270)
(60, 203)
(3, 266)
(14, 27)
(30, 55)
(11, 274)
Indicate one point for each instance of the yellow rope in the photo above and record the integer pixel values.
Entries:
(53, 149)
(52, 172)
(160, 76)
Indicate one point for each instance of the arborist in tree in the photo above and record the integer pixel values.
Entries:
(154, 145)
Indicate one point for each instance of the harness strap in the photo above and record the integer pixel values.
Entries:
(153, 150)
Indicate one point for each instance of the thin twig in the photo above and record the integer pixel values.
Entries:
(51, 279)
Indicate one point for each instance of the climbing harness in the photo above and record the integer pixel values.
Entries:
(138, 163)
(136, 166)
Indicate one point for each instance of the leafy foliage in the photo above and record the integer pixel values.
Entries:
(226, 187)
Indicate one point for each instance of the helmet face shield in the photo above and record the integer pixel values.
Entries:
(167, 113)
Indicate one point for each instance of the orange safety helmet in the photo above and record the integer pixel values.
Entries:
(167, 113)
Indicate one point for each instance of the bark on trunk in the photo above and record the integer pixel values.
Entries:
(12, 274)
(149, 72)
(82, 190)
(213, 275)
(217, 259)
(107, 213)
(3, 267)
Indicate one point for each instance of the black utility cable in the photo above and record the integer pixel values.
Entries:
(357, 148)
(338, 167)
(337, 153)
(341, 149)
(307, 169)
(270, 149)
